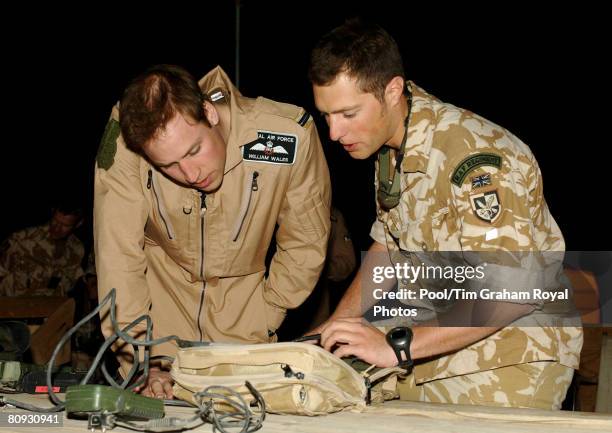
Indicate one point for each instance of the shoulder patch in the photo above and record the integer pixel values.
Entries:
(481, 180)
(473, 162)
(486, 206)
(271, 148)
(108, 145)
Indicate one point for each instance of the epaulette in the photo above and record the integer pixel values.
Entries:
(303, 118)
(289, 111)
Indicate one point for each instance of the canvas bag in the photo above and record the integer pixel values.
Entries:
(293, 378)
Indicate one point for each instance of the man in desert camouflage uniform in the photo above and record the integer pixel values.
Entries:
(43, 260)
(448, 180)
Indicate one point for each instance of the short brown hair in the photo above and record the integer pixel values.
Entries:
(153, 99)
(362, 50)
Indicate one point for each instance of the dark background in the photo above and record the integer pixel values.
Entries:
(539, 74)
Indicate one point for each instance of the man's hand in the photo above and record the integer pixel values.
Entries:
(158, 385)
(318, 330)
(354, 336)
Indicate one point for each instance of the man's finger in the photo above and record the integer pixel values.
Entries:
(157, 389)
(319, 329)
(336, 326)
(347, 350)
(168, 389)
(351, 319)
(339, 337)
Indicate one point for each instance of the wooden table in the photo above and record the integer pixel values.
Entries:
(28, 307)
(58, 313)
(395, 416)
(604, 388)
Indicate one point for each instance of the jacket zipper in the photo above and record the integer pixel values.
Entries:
(202, 215)
(246, 203)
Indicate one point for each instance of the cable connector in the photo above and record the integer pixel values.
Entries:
(100, 421)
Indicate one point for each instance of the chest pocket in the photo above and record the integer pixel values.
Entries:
(249, 194)
(248, 223)
(171, 218)
(418, 246)
(159, 229)
(431, 231)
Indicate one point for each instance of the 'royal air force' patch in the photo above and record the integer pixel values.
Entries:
(271, 148)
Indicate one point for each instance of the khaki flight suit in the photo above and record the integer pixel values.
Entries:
(195, 262)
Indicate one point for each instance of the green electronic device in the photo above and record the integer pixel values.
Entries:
(83, 400)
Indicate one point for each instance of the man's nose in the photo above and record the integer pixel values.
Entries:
(190, 171)
(336, 129)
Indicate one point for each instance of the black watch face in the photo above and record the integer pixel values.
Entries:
(399, 333)
(400, 336)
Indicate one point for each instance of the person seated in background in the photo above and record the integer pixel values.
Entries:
(44, 260)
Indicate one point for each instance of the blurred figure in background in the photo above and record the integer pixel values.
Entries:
(44, 260)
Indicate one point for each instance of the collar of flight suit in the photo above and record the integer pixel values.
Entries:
(242, 123)
(420, 131)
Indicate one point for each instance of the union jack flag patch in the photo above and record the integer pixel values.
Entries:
(480, 181)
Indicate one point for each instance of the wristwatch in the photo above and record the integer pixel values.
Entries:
(399, 339)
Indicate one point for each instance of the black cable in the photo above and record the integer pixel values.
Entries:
(59, 404)
(239, 416)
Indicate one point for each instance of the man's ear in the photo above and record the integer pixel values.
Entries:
(211, 113)
(394, 90)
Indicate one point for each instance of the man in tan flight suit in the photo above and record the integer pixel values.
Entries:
(448, 181)
(191, 180)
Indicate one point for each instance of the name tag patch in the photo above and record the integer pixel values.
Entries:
(271, 148)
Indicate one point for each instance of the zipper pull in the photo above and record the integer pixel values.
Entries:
(202, 203)
(368, 384)
(290, 373)
(254, 186)
(150, 179)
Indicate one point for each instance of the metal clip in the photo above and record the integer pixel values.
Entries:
(100, 421)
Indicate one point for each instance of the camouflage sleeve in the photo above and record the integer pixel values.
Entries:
(13, 273)
(4, 265)
(304, 224)
(377, 232)
(504, 209)
(503, 219)
(4, 253)
(73, 270)
(8, 251)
